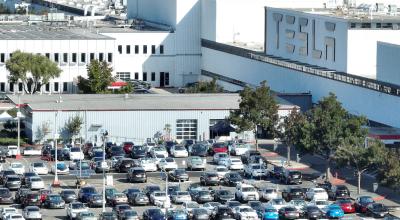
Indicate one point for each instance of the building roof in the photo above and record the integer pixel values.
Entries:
(43, 32)
(134, 102)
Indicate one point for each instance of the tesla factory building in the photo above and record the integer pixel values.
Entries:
(130, 117)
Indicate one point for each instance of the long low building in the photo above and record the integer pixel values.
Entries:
(129, 117)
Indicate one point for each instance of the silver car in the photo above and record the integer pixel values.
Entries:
(32, 212)
(179, 197)
(196, 163)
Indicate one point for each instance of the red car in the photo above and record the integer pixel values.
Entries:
(347, 205)
(219, 148)
(362, 202)
(128, 147)
(43, 194)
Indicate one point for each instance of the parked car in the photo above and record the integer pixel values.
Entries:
(198, 149)
(334, 211)
(268, 193)
(119, 209)
(221, 171)
(150, 189)
(54, 201)
(196, 163)
(148, 164)
(219, 158)
(377, 210)
(18, 168)
(178, 175)
(244, 212)
(177, 214)
(347, 205)
(312, 212)
(31, 151)
(136, 174)
(87, 215)
(138, 199)
(316, 194)
(158, 198)
(12, 151)
(291, 177)
(95, 200)
(118, 198)
(199, 214)
(85, 192)
(246, 156)
(108, 216)
(179, 151)
(289, 212)
(153, 214)
(129, 215)
(62, 168)
(277, 203)
(138, 152)
(12, 182)
(232, 164)
(246, 192)
(75, 153)
(160, 150)
(39, 168)
(167, 164)
(223, 196)
(223, 212)
(239, 149)
(338, 192)
(209, 178)
(179, 197)
(270, 213)
(203, 196)
(31, 212)
(35, 183)
(232, 179)
(6, 196)
(6, 211)
(123, 165)
(127, 146)
(74, 208)
(31, 199)
(255, 170)
(362, 203)
(293, 193)
(68, 195)
(218, 148)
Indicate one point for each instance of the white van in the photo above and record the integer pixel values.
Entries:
(13, 151)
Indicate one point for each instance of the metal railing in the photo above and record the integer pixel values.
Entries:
(360, 81)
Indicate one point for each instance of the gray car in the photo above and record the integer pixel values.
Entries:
(68, 195)
(196, 163)
(13, 182)
(200, 214)
(138, 199)
(129, 215)
(31, 212)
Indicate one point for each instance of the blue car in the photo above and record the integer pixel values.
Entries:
(85, 193)
(177, 215)
(334, 211)
(270, 214)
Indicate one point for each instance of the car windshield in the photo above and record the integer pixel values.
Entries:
(153, 188)
(200, 211)
(219, 145)
(78, 206)
(169, 160)
(298, 202)
(192, 205)
(222, 169)
(183, 193)
(130, 213)
(344, 201)
(248, 189)
(69, 192)
(366, 200)
(270, 190)
(379, 207)
(235, 175)
(180, 171)
(319, 190)
(87, 214)
(38, 165)
(196, 159)
(159, 194)
(88, 190)
(75, 149)
(321, 202)
(36, 179)
(13, 178)
(245, 209)
(117, 149)
(224, 192)
(178, 147)
(236, 160)
(54, 198)
(223, 155)
(159, 149)
(256, 167)
(33, 209)
(296, 190)
(270, 210)
(16, 165)
(61, 166)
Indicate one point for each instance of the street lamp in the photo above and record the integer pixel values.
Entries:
(103, 166)
(56, 182)
(18, 154)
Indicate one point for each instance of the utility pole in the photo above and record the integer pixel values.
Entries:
(103, 165)
(56, 183)
(18, 154)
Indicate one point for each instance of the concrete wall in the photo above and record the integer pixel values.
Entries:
(388, 66)
(357, 100)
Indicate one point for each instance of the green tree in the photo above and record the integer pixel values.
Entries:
(32, 70)
(290, 129)
(10, 125)
(73, 126)
(329, 127)
(257, 108)
(99, 78)
(360, 157)
(389, 169)
(206, 87)
(126, 89)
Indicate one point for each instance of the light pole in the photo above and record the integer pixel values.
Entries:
(103, 165)
(56, 183)
(18, 154)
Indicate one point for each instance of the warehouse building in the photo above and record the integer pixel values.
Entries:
(130, 117)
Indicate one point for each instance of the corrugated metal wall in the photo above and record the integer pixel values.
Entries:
(125, 125)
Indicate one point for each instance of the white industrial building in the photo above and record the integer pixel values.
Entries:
(130, 117)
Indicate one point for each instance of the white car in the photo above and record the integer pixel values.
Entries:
(167, 164)
(61, 167)
(179, 151)
(269, 194)
(158, 198)
(221, 171)
(148, 165)
(31, 151)
(18, 168)
(158, 151)
(239, 149)
(189, 206)
(220, 158)
(39, 168)
(276, 203)
(234, 164)
(74, 208)
(32, 212)
(178, 197)
(246, 192)
(6, 211)
(245, 212)
(13, 151)
(15, 216)
(158, 158)
(76, 153)
(149, 146)
(35, 183)
(255, 170)
(316, 194)
(299, 204)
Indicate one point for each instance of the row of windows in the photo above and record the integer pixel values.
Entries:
(69, 57)
(144, 49)
(45, 88)
(126, 76)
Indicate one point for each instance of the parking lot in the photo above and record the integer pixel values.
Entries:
(120, 183)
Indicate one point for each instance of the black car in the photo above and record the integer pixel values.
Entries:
(199, 214)
(232, 205)
(178, 175)
(151, 188)
(116, 151)
(246, 157)
(232, 178)
(223, 195)
(153, 214)
(198, 149)
(20, 194)
(4, 174)
(123, 165)
(60, 155)
(6, 196)
(136, 174)
(288, 212)
(312, 212)
(293, 193)
(223, 212)
(68, 195)
(339, 192)
(95, 200)
(377, 210)
(130, 191)
(26, 176)
(209, 178)
(138, 152)
(54, 201)
(108, 216)
(119, 209)
(203, 196)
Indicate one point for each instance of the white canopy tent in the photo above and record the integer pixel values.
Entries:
(5, 117)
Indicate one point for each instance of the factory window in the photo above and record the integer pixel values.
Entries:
(47, 87)
(47, 55)
(65, 57)
(353, 25)
(11, 87)
(101, 56)
(120, 49)
(144, 49)
(153, 49)
(65, 87)
(144, 76)
(20, 87)
(10, 55)
(2, 57)
(136, 49)
(161, 49)
(186, 129)
(56, 58)
(56, 86)
(74, 57)
(378, 25)
(128, 49)
(136, 75)
(2, 87)
(126, 76)
(109, 57)
(366, 25)
(153, 76)
(92, 56)
(83, 57)
(387, 25)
